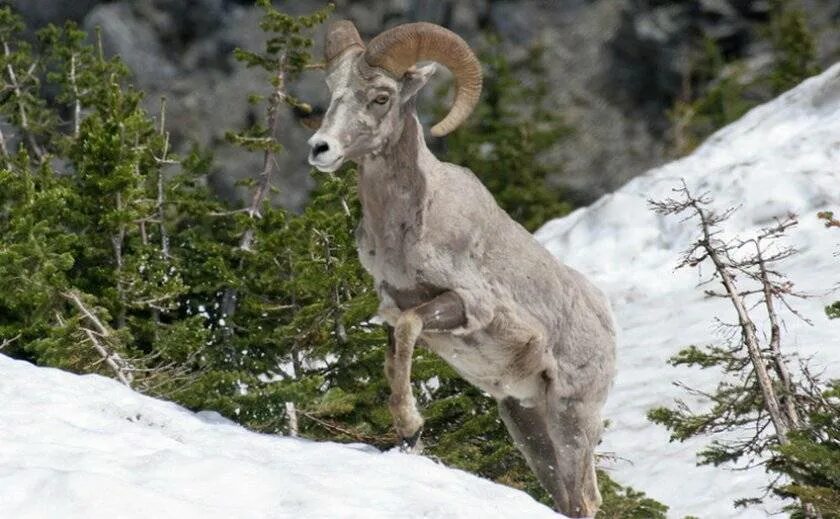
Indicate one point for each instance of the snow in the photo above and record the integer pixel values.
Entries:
(782, 156)
(86, 447)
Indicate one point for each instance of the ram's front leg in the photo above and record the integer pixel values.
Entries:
(402, 339)
(442, 313)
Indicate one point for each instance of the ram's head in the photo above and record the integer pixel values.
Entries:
(373, 88)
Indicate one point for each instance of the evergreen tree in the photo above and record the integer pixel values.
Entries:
(88, 284)
(724, 98)
(794, 49)
(812, 458)
(772, 409)
(832, 310)
(719, 89)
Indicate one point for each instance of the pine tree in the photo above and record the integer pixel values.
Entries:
(759, 396)
(718, 89)
(832, 310)
(22, 105)
(723, 98)
(794, 49)
(90, 280)
(812, 457)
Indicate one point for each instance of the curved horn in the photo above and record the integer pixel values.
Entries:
(399, 48)
(341, 35)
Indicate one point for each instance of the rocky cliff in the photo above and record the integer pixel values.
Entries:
(615, 67)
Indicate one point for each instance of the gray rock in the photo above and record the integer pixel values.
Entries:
(41, 12)
(128, 34)
(615, 67)
(178, 23)
(607, 147)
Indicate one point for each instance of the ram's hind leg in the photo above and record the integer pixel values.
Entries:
(577, 429)
(444, 312)
(529, 431)
(558, 437)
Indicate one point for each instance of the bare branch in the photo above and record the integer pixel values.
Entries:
(18, 90)
(164, 236)
(77, 103)
(291, 416)
(275, 101)
(7, 342)
(778, 361)
(120, 367)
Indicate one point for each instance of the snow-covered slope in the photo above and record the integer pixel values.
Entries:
(86, 447)
(782, 156)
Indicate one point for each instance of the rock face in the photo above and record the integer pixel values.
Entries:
(615, 66)
(42, 12)
(649, 52)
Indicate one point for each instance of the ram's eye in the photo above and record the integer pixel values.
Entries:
(381, 99)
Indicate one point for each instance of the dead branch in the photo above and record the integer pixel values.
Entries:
(15, 86)
(357, 436)
(275, 101)
(164, 236)
(121, 368)
(777, 360)
(4, 152)
(751, 259)
(77, 103)
(7, 342)
(291, 414)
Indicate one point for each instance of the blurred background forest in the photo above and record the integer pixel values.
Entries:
(129, 239)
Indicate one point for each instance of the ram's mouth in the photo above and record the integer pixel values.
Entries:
(327, 167)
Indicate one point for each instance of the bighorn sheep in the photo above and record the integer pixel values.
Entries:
(454, 272)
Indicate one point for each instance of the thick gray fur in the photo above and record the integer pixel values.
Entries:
(533, 333)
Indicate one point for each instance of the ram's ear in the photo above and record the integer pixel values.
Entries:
(414, 79)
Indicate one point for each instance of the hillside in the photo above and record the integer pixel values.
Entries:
(87, 447)
(781, 157)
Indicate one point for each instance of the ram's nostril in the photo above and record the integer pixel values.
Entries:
(320, 148)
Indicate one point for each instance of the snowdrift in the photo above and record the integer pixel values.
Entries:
(86, 447)
(781, 157)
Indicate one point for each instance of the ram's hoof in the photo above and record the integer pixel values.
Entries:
(412, 444)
